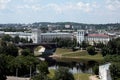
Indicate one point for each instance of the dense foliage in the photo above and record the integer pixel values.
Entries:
(115, 71)
(3, 67)
(63, 73)
(8, 48)
(111, 51)
(112, 48)
(15, 39)
(91, 50)
(42, 68)
(67, 42)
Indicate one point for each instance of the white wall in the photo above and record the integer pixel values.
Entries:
(104, 72)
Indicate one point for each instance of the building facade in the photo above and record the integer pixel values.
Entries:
(97, 38)
(48, 37)
(80, 36)
(36, 35)
(104, 72)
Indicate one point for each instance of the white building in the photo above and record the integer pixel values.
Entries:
(20, 34)
(80, 36)
(97, 38)
(36, 36)
(47, 37)
(104, 72)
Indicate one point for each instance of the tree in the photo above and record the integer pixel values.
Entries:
(2, 67)
(31, 62)
(30, 41)
(63, 73)
(25, 52)
(84, 44)
(115, 71)
(7, 38)
(23, 40)
(41, 76)
(17, 63)
(12, 50)
(16, 39)
(91, 50)
(112, 58)
(43, 71)
(96, 69)
(43, 67)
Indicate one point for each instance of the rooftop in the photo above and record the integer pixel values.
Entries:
(98, 35)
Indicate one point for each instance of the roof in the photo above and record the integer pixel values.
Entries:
(56, 33)
(98, 35)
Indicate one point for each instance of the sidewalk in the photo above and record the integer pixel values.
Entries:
(16, 78)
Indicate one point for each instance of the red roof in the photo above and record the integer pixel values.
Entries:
(98, 35)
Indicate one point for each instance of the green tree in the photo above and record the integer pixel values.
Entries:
(91, 50)
(23, 40)
(25, 52)
(63, 73)
(41, 76)
(2, 67)
(3, 47)
(84, 44)
(115, 71)
(31, 62)
(30, 41)
(12, 50)
(18, 63)
(96, 69)
(43, 67)
(7, 38)
(16, 39)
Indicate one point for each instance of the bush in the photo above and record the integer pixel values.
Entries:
(91, 50)
(96, 69)
(63, 73)
(115, 71)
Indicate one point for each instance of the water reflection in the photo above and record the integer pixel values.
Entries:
(74, 66)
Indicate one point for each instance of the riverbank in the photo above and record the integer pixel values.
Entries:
(79, 55)
(78, 76)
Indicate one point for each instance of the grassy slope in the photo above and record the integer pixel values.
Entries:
(62, 51)
(68, 53)
(76, 76)
(81, 76)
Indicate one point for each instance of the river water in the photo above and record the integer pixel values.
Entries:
(79, 66)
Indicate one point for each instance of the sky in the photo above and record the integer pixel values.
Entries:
(82, 11)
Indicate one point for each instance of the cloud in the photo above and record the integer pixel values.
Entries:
(32, 7)
(113, 4)
(80, 6)
(59, 8)
(3, 3)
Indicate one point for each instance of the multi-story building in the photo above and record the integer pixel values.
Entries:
(36, 35)
(47, 37)
(97, 38)
(20, 34)
(80, 36)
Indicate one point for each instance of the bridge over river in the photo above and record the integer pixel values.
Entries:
(32, 46)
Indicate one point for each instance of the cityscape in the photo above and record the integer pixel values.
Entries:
(59, 40)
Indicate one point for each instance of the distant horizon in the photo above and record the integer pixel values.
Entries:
(80, 11)
(64, 22)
